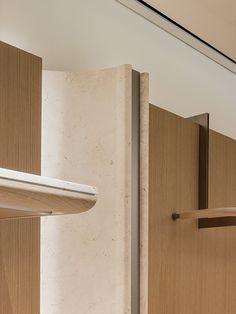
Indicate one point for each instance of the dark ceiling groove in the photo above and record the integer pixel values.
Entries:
(185, 29)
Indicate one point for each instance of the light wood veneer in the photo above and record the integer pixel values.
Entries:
(20, 138)
(190, 270)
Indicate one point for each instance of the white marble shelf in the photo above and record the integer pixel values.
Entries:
(26, 195)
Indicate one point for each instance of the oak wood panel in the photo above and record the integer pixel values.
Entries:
(20, 137)
(222, 190)
(190, 270)
(173, 183)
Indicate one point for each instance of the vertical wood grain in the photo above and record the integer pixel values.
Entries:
(191, 270)
(173, 183)
(220, 250)
(20, 138)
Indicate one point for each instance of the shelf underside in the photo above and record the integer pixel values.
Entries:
(26, 195)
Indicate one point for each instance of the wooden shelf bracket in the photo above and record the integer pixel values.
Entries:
(207, 218)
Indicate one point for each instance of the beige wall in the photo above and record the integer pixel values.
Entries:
(81, 35)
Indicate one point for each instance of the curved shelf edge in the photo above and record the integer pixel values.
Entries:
(26, 195)
(206, 213)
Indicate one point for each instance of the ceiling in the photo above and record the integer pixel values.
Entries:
(213, 21)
